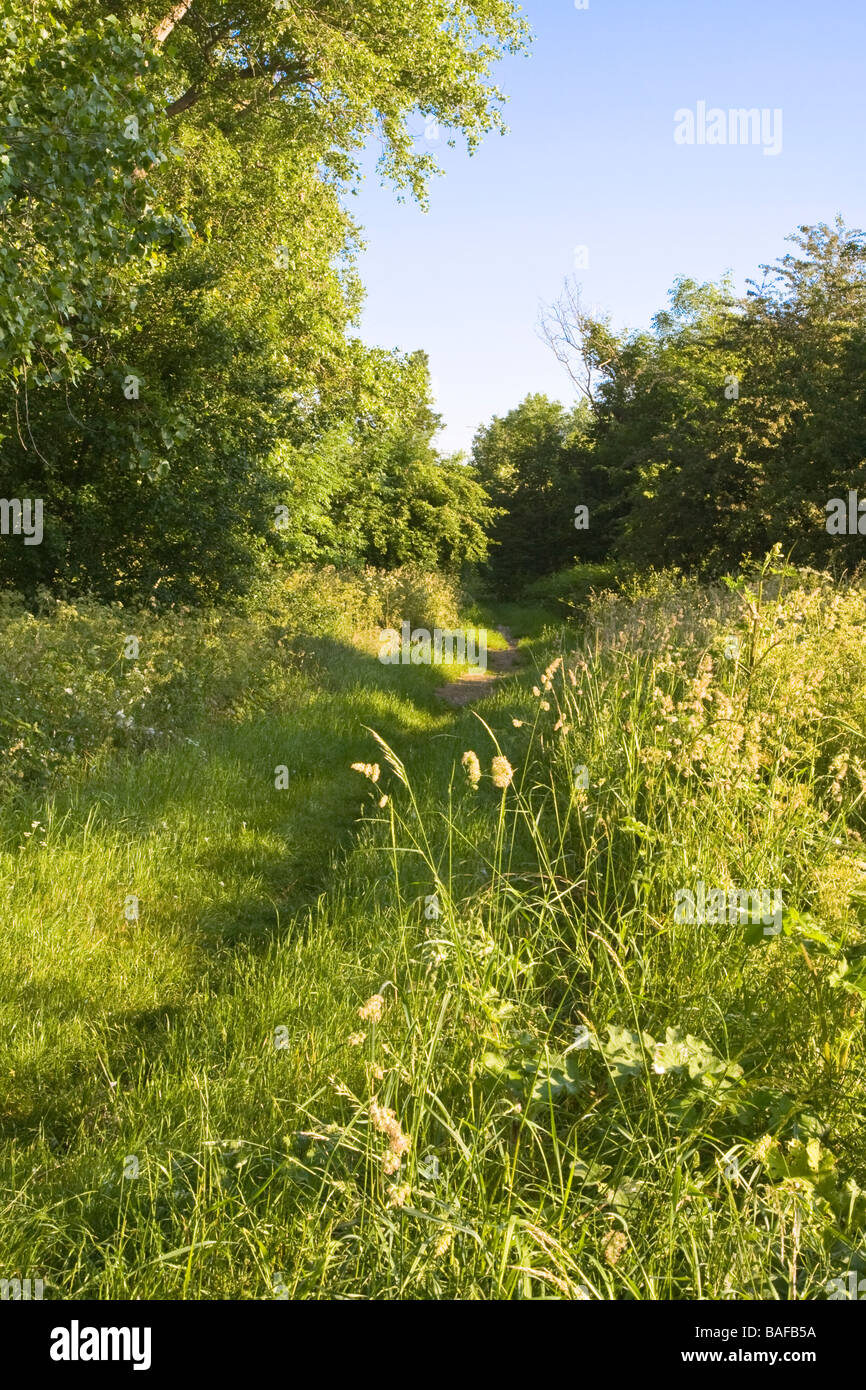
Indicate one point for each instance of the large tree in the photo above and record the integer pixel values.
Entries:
(203, 332)
(730, 425)
(121, 118)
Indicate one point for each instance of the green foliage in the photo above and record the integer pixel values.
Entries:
(232, 310)
(569, 590)
(84, 124)
(368, 486)
(218, 472)
(70, 692)
(724, 430)
(536, 465)
(79, 140)
(168, 495)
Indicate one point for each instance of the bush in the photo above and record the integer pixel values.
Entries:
(421, 597)
(71, 688)
(570, 589)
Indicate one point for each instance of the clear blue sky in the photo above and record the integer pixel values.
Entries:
(591, 160)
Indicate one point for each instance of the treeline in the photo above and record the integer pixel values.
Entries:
(725, 429)
(181, 380)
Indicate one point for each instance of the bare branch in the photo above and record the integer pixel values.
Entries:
(565, 327)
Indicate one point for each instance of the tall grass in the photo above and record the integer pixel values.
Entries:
(476, 1055)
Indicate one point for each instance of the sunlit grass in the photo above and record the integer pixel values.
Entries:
(189, 1097)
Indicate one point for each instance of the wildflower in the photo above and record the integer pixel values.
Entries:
(502, 773)
(615, 1246)
(355, 1039)
(371, 770)
(399, 1196)
(371, 1012)
(470, 762)
(443, 1243)
(383, 801)
(382, 1118)
(391, 1163)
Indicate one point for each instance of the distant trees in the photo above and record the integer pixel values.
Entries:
(726, 427)
(368, 486)
(537, 466)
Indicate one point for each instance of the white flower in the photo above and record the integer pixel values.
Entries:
(502, 772)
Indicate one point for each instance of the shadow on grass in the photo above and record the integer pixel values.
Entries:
(268, 856)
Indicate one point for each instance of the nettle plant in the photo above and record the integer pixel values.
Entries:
(698, 1074)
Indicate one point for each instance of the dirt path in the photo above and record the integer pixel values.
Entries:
(469, 687)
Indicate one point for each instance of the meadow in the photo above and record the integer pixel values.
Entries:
(427, 1026)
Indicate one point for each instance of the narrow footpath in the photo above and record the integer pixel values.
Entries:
(476, 686)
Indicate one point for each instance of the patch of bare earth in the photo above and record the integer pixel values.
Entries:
(476, 686)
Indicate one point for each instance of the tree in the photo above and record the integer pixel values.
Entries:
(77, 210)
(372, 489)
(730, 425)
(536, 464)
(804, 401)
(109, 106)
(232, 311)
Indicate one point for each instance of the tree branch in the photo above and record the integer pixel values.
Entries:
(189, 98)
(296, 73)
(165, 26)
